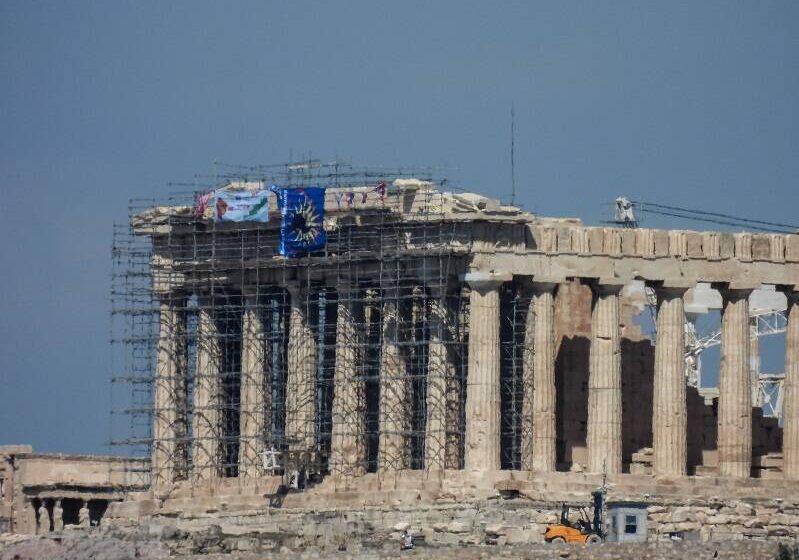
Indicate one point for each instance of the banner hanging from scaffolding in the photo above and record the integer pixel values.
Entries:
(303, 215)
(241, 205)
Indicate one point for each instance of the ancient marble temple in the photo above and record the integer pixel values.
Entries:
(444, 333)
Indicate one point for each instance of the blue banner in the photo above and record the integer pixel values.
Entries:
(241, 206)
(302, 228)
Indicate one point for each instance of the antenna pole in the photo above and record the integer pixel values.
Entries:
(512, 154)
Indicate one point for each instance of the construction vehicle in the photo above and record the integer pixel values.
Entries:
(586, 529)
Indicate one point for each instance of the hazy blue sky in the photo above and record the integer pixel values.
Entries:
(689, 103)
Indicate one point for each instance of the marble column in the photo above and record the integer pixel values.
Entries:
(395, 408)
(538, 401)
(482, 452)
(440, 371)
(169, 394)
(207, 409)
(790, 389)
(604, 382)
(456, 384)
(301, 377)
(255, 391)
(348, 442)
(670, 414)
(735, 395)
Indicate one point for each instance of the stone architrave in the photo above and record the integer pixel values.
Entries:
(169, 394)
(790, 399)
(301, 377)
(348, 440)
(735, 395)
(207, 409)
(394, 416)
(254, 391)
(670, 414)
(539, 396)
(482, 449)
(440, 371)
(604, 382)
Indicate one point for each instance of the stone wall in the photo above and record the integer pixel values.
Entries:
(214, 544)
(495, 521)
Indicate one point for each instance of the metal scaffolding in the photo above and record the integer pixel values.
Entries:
(234, 361)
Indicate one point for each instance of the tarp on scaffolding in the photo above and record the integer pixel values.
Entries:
(303, 215)
(241, 205)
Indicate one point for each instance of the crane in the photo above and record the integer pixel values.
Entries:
(766, 387)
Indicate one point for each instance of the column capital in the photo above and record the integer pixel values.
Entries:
(735, 290)
(670, 284)
(791, 291)
(543, 287)
(530, 287)
(667, 289)
(605, 286)
(484, 281)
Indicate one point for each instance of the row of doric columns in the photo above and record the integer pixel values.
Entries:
(482, 404)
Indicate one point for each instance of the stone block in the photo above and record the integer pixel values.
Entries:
(761, 247)
(693, 244)
(754, 522)
(681, 514)
(743, 246)
(778, 532)
(495, 530)
(711, 245)
(612, 243)
(777, 248)
(549, 239)
(458, 527)
(645, 242)
(661, 243)
(792, 248)
(687, 527)
(754, 532)
(596, 241)
(726, 245)
(719, 519)
(628, 242)
(580, 243)
(742, 508)
(783, 519)
(564, 240)
(677, 243)
(515, 536)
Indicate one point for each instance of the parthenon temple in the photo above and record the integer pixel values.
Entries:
(439, 331)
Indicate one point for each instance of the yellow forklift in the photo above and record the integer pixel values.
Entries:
(586, 528)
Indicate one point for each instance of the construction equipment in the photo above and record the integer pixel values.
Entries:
(586, 529)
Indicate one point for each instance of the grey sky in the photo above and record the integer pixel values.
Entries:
(683, 103)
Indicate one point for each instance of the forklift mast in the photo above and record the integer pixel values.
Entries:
(599, 507)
